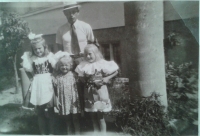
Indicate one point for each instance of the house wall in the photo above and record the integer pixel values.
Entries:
(99, 15)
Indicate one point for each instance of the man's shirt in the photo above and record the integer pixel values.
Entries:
(84, 34)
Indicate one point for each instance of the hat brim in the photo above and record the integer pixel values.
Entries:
(75, 6)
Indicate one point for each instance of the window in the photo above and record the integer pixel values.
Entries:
(111, 51)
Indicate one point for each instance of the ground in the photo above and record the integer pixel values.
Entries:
(15, 120)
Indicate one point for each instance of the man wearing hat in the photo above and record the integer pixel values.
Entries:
(73, 36)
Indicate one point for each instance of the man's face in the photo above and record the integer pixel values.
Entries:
(71, 14)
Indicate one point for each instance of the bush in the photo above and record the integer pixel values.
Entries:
(141, 116)
(182, 91)
(13, 33)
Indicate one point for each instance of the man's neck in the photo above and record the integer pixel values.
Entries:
(72, 23)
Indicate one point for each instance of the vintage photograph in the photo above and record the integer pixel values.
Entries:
(99, 68)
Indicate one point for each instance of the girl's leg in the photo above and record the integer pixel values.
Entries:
(76, 123)
(102, 122)
(69, 124)
(95, 123)
(41, 120)
(51, 122)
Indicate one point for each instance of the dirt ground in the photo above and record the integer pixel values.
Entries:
(8, 96)
(17, 121)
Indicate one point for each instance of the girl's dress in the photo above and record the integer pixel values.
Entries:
(67, 94)
(41, 87)
(96, 97)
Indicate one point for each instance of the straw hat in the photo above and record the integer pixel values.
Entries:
(70, 5)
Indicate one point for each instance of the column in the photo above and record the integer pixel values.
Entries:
(144, 24)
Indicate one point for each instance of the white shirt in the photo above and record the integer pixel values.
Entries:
(84, 33)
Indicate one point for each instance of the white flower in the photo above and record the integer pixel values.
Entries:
(31, 36)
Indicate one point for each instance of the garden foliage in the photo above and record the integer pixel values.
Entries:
(182, 92)
(13, 32)
(141, 116)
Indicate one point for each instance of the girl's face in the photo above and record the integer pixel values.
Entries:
(90, 56)
(64, 68)
(38, 50)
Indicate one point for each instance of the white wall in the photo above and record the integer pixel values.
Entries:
(98, 14)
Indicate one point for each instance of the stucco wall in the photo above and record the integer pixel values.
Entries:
(99, 15)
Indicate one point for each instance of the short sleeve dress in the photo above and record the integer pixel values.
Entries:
(96, 97)
(67, 94)
(41, 86)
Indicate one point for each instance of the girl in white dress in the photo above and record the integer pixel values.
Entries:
(40, 63)
(96, 72)
(66, 93)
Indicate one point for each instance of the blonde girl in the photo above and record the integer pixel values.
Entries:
(96, 72)
(66, 92)
(40, 63)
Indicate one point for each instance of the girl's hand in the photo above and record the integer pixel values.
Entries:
(106, 80)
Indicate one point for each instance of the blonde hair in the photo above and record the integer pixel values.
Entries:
(62, 60)
(41, 41)
(95, 50)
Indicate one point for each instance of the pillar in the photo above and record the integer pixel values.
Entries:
(144, 23)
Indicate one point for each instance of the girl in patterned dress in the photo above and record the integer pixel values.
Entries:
(40, 63)
(95, 71)
(66, 92)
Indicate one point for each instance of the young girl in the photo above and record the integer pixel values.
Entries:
(66, 92)
(96, 72)
(40, 64)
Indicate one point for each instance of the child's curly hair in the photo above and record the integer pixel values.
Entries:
(63, 60)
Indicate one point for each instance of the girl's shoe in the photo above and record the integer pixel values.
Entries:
(26, 108)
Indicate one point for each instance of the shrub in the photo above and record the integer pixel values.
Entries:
(139, 116)
(182, 91)
(13, 33)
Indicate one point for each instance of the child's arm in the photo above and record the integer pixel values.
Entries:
(106, 79)
(30, 75)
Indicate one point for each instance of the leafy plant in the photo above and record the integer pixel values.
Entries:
(138, 116)
(119, 91)
(182, 91)
(173, 39)
(13, 32)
